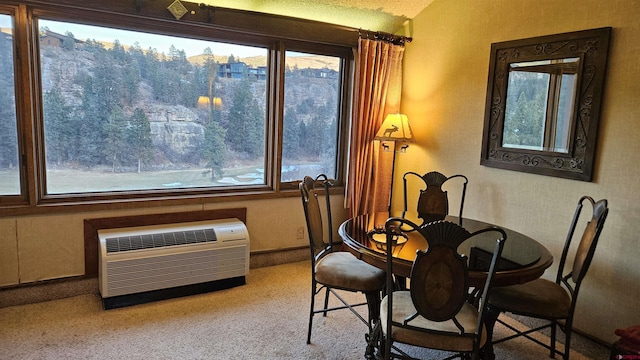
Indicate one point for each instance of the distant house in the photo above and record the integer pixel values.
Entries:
(319, 73)
(260, 72)
(50, 38)
(235, 70)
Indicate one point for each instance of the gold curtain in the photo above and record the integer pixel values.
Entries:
(377, 90)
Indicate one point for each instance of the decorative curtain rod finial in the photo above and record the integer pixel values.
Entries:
(382, 36)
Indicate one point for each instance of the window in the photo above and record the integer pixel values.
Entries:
(9, 158)
(539, 108)
(135, 107)
(127, 110)
(311, 115)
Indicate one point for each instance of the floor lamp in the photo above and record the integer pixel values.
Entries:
(395, 127)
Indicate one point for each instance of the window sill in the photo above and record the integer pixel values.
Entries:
(69, 205)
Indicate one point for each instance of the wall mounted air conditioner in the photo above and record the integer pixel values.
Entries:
(147, 263)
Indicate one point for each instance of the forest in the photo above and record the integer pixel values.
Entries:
(97, 100)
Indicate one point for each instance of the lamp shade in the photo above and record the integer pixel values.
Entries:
(395, 127)
(203, 102)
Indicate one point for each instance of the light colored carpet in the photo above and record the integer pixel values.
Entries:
(264, 319)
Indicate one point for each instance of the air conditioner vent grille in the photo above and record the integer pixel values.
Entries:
(139, 242)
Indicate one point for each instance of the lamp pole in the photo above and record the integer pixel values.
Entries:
(394, 128)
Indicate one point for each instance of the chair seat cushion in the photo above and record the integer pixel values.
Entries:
(539, 298)
(403, 308)
(343, 270)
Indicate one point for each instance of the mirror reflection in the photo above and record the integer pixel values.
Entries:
(540, 104)
(543, 102)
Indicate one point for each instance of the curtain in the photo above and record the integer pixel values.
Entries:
(377, 90)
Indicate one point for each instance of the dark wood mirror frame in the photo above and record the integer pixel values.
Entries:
(591, 47)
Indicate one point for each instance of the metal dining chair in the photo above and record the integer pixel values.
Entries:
(554, 301)
(433, 201)
(336, 270)
(434, 313)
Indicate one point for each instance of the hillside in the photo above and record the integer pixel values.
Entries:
(300, 62)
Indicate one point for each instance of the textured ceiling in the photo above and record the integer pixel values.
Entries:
(376, 15)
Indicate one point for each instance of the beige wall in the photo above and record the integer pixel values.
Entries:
(34, 248)
(446, 68)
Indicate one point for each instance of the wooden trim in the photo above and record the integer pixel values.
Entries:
(222, 21)
(91, 227)
(243, 27)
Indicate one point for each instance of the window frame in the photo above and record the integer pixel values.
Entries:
(343, 110)
(272, 33)
(22, 127)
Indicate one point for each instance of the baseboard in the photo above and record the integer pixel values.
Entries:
(277, 257)
(48, 290)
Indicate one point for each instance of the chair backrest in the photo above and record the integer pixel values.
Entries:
(586, 248)
(439, 276)
(313, 215)
(433, 201)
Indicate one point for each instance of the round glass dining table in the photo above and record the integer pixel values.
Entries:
(523, 259)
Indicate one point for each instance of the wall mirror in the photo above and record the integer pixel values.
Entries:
(543, 103)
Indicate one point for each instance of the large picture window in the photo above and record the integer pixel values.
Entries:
(101, 106)
(126, 110)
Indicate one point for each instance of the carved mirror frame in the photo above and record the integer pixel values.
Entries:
(590, 47)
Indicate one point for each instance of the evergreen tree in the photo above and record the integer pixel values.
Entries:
(159, 77)
(118, 52)
(58, 127)
(302, 135)
(139, 137)
(94, 47)
(201, 88)
(139, 60)
(91, 133)
(315, 138)
(246, 121)
(291, 135)
(131, 79)
(115, 130)
(525, 125)
(188, 85)
(214, 149)
(179, 91)
(69, 43)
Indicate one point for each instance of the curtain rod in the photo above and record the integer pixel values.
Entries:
(383, 36)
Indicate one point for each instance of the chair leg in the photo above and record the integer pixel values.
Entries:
(326, 301)
(374, 341)
(387, 348)
(552, 347)
(567, 340)
(313, 297)
(373, 304)
(490, 321)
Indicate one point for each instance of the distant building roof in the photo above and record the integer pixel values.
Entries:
(60, 37)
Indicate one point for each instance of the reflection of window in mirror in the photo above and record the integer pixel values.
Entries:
(540, 104)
